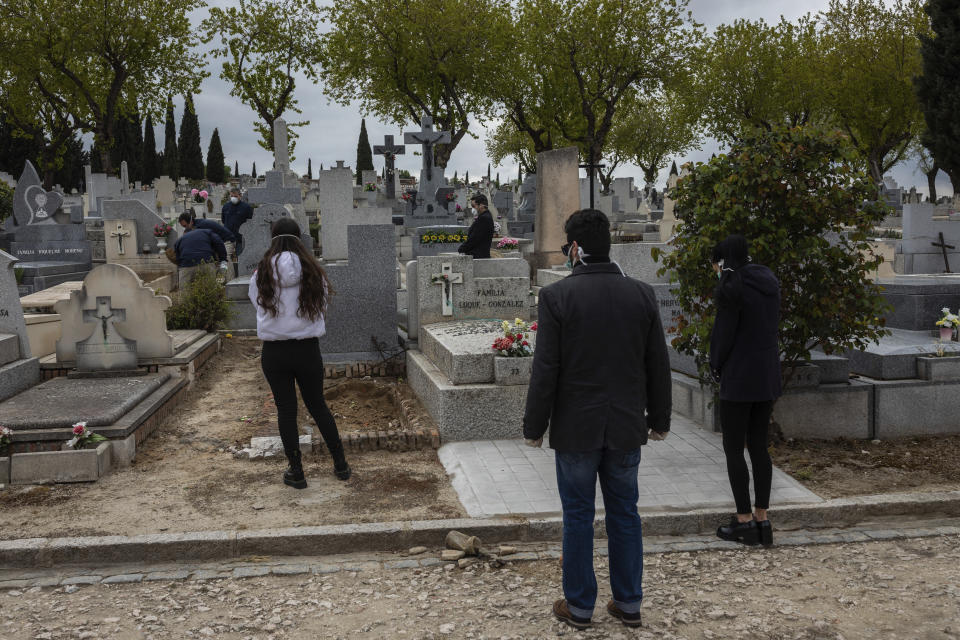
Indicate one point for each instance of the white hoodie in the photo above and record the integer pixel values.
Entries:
(287, 324)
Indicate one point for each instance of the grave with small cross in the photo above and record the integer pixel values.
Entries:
(106, 349)
(120, 234)
(446, 279)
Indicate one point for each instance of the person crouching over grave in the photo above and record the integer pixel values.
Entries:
(189, 222)
(745, 358)
(290, 291)
(196, 248)
(601, 381)
(480, 234)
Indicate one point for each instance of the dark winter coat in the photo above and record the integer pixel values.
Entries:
(479, 237)
(601, 372)
(234, 215)
(199, 246)
(218, 229)
(744, 350)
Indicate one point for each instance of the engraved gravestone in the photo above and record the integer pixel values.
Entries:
(256, 236)
(106, 349)
(32, 204)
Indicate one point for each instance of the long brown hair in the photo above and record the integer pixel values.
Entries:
(314, 285)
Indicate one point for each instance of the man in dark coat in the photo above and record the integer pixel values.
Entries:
(195, 249)
(189, 223)
(235, 212)
(601, 381)
(480, 234)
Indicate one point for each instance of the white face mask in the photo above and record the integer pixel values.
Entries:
(235, 200)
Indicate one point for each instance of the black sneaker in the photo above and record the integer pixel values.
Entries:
(743, 532)
(293, 476)
(628, 619)
(562, 613)
(766, 533)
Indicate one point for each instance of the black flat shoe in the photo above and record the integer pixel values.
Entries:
(765, 530)
(743, 532)
(342, 472)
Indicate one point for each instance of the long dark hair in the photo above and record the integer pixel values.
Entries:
(314, 286)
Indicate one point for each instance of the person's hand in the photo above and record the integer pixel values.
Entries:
(533, 443)
(716, 375)
(658, 435)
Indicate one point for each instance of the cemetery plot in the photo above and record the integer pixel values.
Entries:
(185, 477)
(844, 467)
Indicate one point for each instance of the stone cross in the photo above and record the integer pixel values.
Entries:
(943, 246)
(281, 150)
(273, 191)
(446, 278)
(389, 150)
(120, 234)
(428, 139)
(105, 348)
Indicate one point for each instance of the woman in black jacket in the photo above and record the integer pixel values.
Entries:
(745, 358)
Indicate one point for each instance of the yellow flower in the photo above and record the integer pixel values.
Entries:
(518, 322)
(506, 325)
(229, 335)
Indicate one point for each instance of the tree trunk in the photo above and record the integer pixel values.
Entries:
(955, 181)
(932, 181)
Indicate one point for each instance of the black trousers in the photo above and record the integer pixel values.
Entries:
(286, 362)
(747, 422)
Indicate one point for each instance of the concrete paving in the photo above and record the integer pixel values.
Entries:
(684, 472)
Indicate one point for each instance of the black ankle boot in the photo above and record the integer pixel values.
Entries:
(742, 532)
(293, 476)
(765, 530)
(340, 467)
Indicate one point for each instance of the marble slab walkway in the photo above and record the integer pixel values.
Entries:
(684, 472)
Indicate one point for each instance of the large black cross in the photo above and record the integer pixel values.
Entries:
(591, 168)
(943, 247)
(388, 150)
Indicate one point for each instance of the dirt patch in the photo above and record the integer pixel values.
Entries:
(185, 478)
(844, 467)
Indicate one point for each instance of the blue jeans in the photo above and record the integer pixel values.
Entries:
(576, 480)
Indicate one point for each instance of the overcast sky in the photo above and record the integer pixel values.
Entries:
(333, 130)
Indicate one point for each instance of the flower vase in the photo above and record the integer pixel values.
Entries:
(946, 334)
(162, 243)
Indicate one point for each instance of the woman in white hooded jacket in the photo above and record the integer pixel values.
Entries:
(289, 291)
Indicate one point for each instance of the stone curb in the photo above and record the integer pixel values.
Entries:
(398, 536)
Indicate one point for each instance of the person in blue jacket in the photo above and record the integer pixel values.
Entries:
(234, 213)
(195, 248)
(189, 223)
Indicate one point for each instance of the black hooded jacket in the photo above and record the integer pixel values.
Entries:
(743, 345)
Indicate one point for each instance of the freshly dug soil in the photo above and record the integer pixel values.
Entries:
(185, 479)
(844, 467)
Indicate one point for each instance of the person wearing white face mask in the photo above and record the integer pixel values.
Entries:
(235, 212)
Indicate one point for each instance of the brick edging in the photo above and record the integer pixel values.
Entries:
(392, 440)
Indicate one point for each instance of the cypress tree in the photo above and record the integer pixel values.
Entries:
(498, 180)
(519, 174)
(454, 177)
(171, 157)
(253, 173)
(236, 169)
(364, 152)
(938, 88)
(149, 169)
(191, 155)
(309, 169)
(215, 172)
(488, 172)
(467, 179)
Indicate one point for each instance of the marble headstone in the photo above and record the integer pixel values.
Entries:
(256, 235)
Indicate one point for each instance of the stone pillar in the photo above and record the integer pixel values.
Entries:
(558, 196)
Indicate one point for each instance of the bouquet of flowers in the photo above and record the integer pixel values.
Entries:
(198, 195)
(451, 197)
(6, 435)
(949, 320)
(407, 196)
(162, 230)
(515, 340)
(370, 186)
(83, 437)
(438, 237)
(507, 243)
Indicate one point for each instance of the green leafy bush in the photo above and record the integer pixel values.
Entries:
(807, 209)
(202, 304)
(6, 201)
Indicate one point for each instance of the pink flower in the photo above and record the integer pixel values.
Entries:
(204, 193)
(194, 192)
(78, 429)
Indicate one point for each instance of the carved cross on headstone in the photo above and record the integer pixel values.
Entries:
(428, 139)
(446, 279)
(943, 247)
(120, 234)
(106, 349)
(388, 150)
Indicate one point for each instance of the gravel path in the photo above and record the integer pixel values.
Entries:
(908, 588)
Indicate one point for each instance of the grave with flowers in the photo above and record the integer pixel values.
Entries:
(467, 324)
